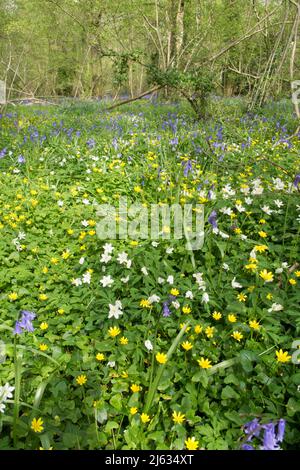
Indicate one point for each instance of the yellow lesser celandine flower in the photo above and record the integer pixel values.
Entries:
(231, 318)
(204, 363)
(283, 356)
(81, 379)
(134, 243)
(250, 288)
(114, 331)
(124, 340)
(135, 388)
(251, 267)
(191, 443)
(182, 325)
(43, 347)
(267, 276)
(297, 273)
(66, 254)
(186, 345)
(45, 270)
(145, 303)
(198, 329)
(174, 292)
(254, 324)
(178, 418)
(133, 410)
(145, 418)
(34, 202)
(186, 309)
(262, 234)
(100, 357)
(13, 296)
(269, 296)
(161, 358)
(54, 260)
(37, 425)
(209, 331)
(292, 281)
(43, 297)
(44, 325)
(124, 375)
(261, 248)
(237, 230)
(61, 311)
(241, 297)
(262, 221)
(138, 189)
(217, 315)
(237, 335)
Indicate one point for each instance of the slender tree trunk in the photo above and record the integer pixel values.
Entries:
(292, 65)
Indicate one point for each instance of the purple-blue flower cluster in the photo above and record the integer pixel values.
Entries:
(212, 219)
(166, 311)
(25, 322)
(270, 434)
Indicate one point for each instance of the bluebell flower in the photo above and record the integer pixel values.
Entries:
(3, 152)
(296, 180)
(21, 159)
(212, 219)
(166, 310)
(25, 323)
(18, 330)
(115, 143)
(252, 429)
(91, 143)
(247, 447)
(270, 441)
(280, 430)
(187, 167)
(210, 192)
(174, 141)
(34, 135)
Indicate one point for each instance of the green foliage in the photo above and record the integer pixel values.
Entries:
(194, 85)
(90, 388)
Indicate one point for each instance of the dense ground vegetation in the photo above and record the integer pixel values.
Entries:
(87, 324)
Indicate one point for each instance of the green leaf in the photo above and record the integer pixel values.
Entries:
(111, 425)
(69, 440)
(116, 401)
(293, 406)
(201, 376)
(228, 393)
(101, 415)
(234, 417)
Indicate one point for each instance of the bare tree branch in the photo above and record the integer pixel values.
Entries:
(130, 100)
(247, 35)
